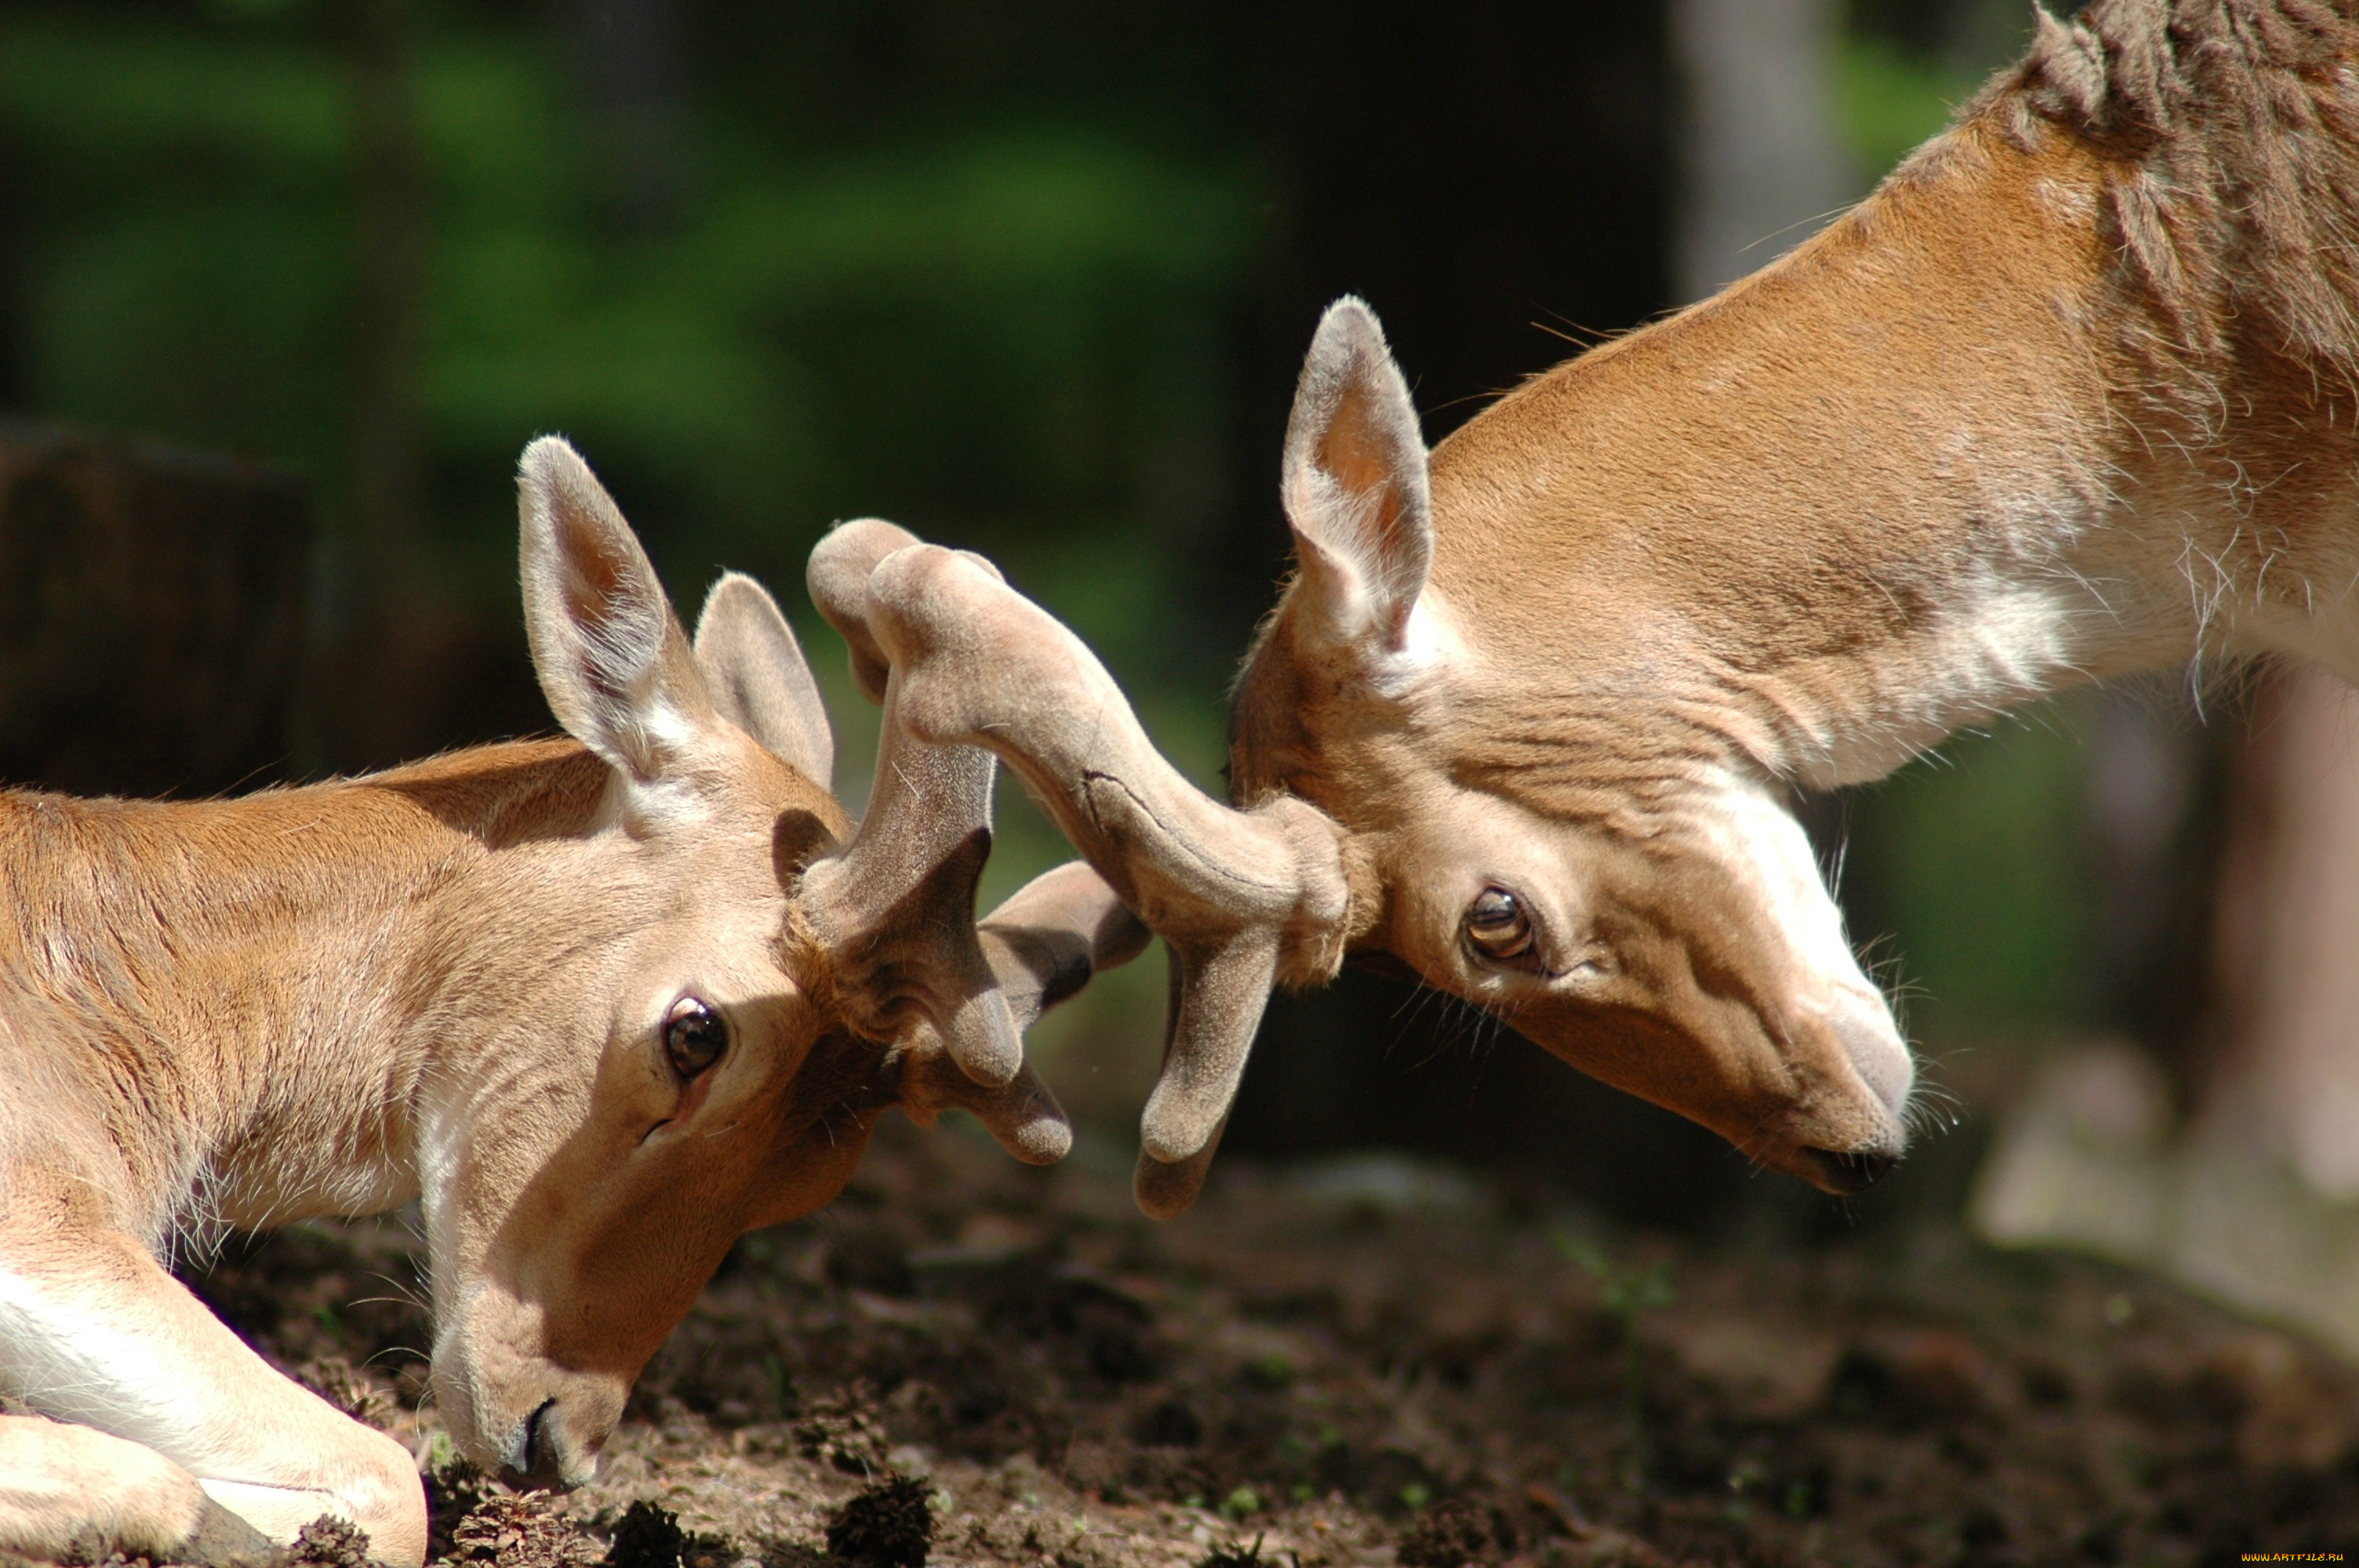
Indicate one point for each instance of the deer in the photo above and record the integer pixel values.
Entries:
(2073, 393)
(599, 1003)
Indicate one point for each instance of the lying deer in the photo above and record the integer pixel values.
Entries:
(2074, 393)
(601, 1004)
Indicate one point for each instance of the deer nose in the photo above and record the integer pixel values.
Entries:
(533, 1457)
(1854, 1172)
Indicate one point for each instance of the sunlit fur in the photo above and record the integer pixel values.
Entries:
(448, 983)
(437, 983)
(2073, 395)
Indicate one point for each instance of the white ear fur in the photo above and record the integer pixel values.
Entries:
(611, 659)
(754, 670)
(1354, 482)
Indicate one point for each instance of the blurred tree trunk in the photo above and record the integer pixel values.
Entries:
(628, 56)
(2159, 787)
(150, 609)
(2283, 1072)
(1761, 166)
(2251, 1190)
(380, 637)
(14, 307)
(391, 212)
(400, 668)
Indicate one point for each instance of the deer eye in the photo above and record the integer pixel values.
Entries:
(1496, 926)
(694, 1036)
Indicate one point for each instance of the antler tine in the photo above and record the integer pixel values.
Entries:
(1053, 933)
(1021, 1114)
(1241, 897)
(1043, 946)
(895, 910)
(838, 577)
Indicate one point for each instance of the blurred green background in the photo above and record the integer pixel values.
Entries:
(1026, 277)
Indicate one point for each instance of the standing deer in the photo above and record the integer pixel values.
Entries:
(2074, 393)
(600, 1004)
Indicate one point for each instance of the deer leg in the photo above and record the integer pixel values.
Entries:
(73, 1494)
(95, 1332)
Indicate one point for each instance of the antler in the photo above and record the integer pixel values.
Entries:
(1053, 933)
(1044, 944)
(838, 577)
(1241, 897)
(895, 910)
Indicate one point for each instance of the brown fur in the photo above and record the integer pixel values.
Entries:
(132, 935)
(2231, 165)
(246, 1012)
(450, 983)
(2072, 394)
(2068, 396)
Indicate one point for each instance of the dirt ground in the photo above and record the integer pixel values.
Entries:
(1367, 1362)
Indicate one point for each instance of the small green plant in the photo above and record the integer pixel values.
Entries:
(1629, 1293)
(781, 1387)
(1238, 1504)
(1273, 1372)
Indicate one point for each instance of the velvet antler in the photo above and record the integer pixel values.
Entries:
(1243, 898)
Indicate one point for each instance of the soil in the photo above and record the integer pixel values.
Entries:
(963, 1361)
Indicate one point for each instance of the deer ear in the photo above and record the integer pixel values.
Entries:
(755, 670)
(1354, 484)
(612, 658)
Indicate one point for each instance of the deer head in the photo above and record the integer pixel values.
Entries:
(727, 986)
(1562, 823)
(1656, 917)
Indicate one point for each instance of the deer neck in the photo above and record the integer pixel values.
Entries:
(243, 1001)
(1923, 470)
